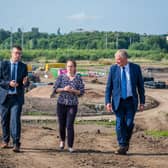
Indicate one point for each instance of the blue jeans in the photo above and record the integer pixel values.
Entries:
(66, 117)
(11, 119)
(125, 121)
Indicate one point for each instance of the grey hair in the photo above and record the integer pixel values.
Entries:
(122, 53)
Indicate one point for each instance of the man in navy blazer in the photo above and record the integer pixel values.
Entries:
(13, 78)
(124, 88)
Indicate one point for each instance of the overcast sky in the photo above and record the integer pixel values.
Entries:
(140, 16)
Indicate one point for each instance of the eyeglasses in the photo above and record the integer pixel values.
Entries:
(19, 53)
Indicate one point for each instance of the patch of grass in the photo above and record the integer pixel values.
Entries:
(157, 133)
(35, 113)
(96, 122)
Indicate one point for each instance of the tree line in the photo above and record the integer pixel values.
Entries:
(82, 40)
(82, 45)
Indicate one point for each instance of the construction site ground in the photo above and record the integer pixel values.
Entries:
(95, 144)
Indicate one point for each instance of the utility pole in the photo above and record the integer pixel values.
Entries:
(130, 40)
(117, 41)
(22, 37)
(11, 38)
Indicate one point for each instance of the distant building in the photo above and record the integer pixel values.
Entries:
(35, 30)
(165, 36)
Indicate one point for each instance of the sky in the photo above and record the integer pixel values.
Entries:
(138, 16)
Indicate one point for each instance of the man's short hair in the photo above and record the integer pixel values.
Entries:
(18, 47)
(122, 53)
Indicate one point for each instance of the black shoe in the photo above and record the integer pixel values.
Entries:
(16, 148)
(127, 147)
(122, 150)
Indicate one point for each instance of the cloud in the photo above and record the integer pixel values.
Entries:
(81, 17)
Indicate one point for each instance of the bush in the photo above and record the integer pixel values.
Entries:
(62, 59)
(61, 55)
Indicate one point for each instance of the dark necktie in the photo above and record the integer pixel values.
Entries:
(124, 84)
(13, 72)
(13, 75)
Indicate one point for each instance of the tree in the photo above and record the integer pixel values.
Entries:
(43, 43)
(139, 46)
(53, 44)
(156, 42)
(4, 35)
(59, 31)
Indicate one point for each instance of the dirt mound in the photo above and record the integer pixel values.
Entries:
(40, 92)
(92, 94)
(92, 103)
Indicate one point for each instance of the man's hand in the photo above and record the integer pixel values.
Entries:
(109, 107)
(25, 80)
(141, 107)
(13, 84)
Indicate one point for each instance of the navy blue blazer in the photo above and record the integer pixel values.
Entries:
(113, 87)
(5, 78)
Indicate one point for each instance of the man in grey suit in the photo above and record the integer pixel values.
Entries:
(124, 88)
(13, 79)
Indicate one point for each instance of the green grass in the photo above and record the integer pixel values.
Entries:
(157, 133)
(35, 113)
(96, 122)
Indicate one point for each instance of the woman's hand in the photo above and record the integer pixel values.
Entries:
(52, 95)
(75, 91)
(67, 88)
(71, 90)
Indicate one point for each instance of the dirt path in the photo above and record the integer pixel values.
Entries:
(93, 149)
(157, 118)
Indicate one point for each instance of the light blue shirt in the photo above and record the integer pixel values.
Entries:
(129, 86)
(12, 64)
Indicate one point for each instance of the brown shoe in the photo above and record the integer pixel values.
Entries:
(16, 148)
(4, 145)
(122, 150)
